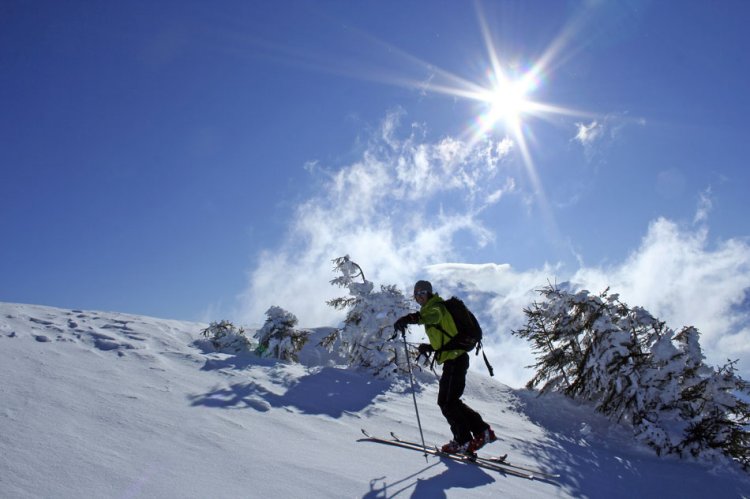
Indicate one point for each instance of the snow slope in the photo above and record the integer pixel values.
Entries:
(110, 405)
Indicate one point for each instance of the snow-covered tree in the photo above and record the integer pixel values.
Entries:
(553, 327)
(366, 335)
(278, 338)
(634, 368)
(657, 422)
(226, 337)
(587, 348)
(716, 418)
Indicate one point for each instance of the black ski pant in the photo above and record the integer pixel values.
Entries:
(463, 420)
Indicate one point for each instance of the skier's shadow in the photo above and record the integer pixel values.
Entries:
(457, 475)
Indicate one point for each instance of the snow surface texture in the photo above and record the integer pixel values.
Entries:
(111, 405)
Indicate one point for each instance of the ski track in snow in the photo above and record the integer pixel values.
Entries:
(97, 404)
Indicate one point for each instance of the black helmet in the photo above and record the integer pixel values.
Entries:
(422, 287)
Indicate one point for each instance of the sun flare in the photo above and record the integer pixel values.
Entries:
(507, 101)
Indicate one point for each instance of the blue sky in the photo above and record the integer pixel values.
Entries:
(200, 160)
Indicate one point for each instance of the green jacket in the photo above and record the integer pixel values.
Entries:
(432, 314)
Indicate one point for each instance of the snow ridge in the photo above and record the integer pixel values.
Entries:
(97, 404)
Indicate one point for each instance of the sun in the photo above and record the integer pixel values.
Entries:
(507, 101)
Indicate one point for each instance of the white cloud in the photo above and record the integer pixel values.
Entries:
(599, 134)
(680, 278)
(395, 210)
(705, 205)
(494, 197)
(587, 134)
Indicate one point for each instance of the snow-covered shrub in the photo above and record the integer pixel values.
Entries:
(367, 333)
(632, 367)
(278, 338)
(717, 420)
(226, 337)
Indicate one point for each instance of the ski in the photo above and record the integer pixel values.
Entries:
(434, 451)
(496, 460)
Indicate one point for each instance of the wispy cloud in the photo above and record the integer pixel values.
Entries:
(395, 210)
(597, 135)
(589, 133)
(704, 207)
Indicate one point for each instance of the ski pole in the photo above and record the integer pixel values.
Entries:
(414, 393)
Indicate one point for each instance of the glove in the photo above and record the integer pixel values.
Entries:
(425, 349)
(400, 325)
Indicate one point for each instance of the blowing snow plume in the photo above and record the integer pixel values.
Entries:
(397, 209)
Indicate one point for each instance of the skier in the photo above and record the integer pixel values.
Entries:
(470, 432)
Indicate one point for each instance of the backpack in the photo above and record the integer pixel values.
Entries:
(467, 325)
(469, 335)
